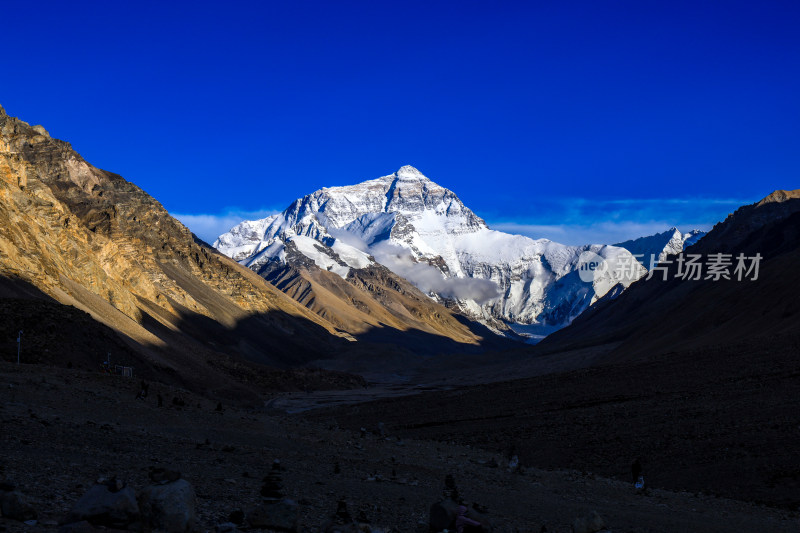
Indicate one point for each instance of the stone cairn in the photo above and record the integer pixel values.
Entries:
(272, 489)
(450, 491)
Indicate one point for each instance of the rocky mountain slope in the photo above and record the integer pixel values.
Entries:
(75, 235)
(657, 315)
(655, 248)
(424, 233)
(379, 308)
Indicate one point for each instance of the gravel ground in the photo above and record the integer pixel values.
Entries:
(63, 429)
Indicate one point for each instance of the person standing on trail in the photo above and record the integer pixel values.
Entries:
(462, 520)
(636, 469)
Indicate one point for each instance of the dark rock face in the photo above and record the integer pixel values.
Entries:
(101, 506)
(169, 507)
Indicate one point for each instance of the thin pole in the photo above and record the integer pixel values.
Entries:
(19, 344)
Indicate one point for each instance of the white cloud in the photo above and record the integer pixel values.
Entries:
(208, 227)
(577, 221)
(599, 233)
(429, 279)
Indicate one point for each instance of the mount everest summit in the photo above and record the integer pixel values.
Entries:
(424, 233)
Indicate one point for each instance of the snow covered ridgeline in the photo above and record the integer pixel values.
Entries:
(656, 248)
(423, 232)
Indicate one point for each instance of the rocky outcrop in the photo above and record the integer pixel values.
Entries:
(88, 238)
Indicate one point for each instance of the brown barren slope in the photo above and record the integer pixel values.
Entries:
(88, 238)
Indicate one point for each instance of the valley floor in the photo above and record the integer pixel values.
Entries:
(62, 429)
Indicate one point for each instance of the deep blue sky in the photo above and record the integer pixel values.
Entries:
(570, 120)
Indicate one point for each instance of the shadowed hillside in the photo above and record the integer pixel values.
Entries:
(87, 238)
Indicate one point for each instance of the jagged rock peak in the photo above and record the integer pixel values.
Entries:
(780, 196)
(2, 111)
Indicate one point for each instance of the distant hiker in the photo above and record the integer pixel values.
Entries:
(464, 523)
(636, 470)
(143, 391)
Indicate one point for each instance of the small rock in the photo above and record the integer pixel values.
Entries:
(41, 131)
(169, 507)
(101, 506)
(17, 506)
(590, 524)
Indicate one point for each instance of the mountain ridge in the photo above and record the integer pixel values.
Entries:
(655, 248)
(650, 317)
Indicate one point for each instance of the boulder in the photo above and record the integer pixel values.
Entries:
(17, 506)
(443, 516)
(281, 515)
(589, 524)
(101, 506)
(169, 507)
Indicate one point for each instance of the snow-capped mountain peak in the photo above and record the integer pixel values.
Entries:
(423, 232)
